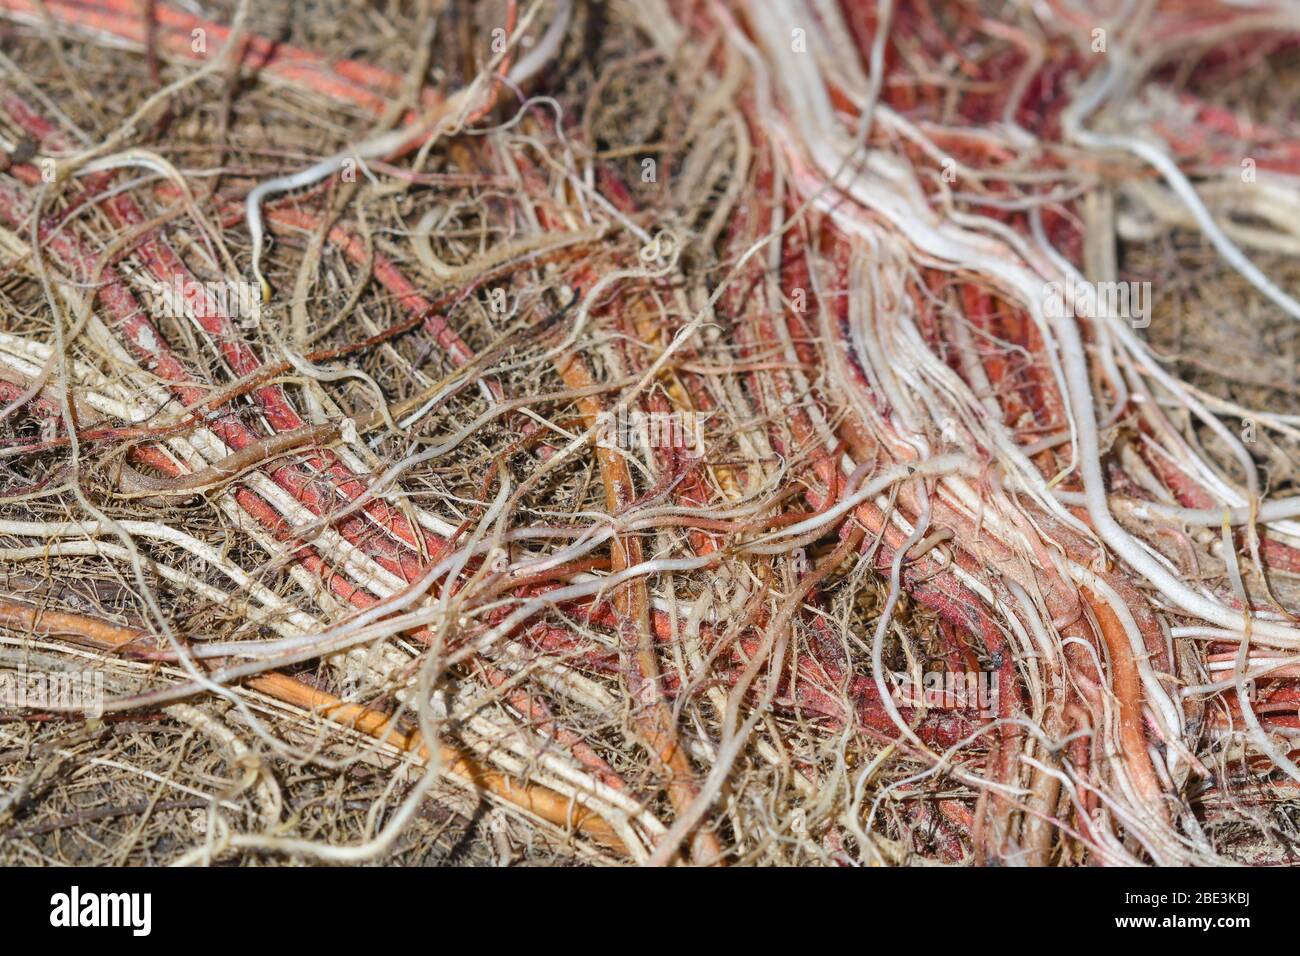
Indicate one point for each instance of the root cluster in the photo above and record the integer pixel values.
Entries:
(707, 431)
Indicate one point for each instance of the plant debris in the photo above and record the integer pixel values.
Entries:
(649, 431)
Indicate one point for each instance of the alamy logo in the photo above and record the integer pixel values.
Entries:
(975, 691)
(234, 298)
(628, 429)
(56, 690)
(103, 909)
(1094, 300)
